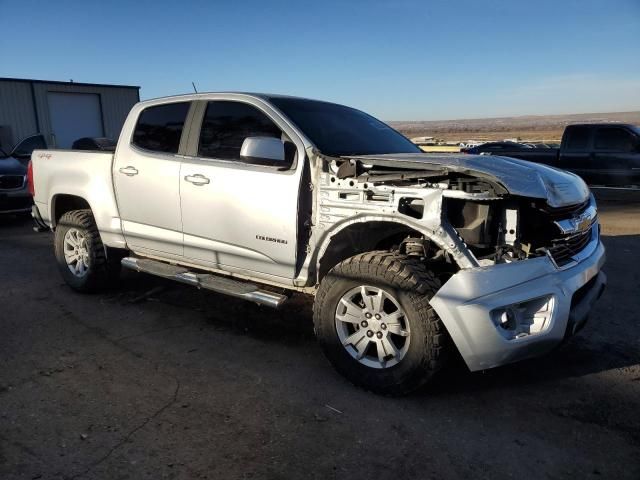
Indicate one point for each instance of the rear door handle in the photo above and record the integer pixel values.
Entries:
(197, 179)
(129, 171)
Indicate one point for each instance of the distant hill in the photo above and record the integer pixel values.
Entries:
(529, 127)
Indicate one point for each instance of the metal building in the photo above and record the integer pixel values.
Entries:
(62, 111)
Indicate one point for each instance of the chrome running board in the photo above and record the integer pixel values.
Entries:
(215, 283)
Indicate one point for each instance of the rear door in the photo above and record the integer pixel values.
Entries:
(575, 153)
(239, 216)
(146, 176)
(615, 151)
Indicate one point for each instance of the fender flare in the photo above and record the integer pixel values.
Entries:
(56, 195)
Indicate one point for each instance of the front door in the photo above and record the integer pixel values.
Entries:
(239, 216)
(146, 175)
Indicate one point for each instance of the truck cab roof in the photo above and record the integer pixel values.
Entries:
(213, 95)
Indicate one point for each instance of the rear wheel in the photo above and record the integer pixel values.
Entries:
(373, 319)
(80, 254)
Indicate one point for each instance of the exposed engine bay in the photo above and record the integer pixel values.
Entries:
(489, 220)
(516, 228)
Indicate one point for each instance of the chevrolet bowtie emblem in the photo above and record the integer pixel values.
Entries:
(583, 223)
(578, 223)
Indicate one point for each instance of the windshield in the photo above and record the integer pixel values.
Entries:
(343, 131)
(26, 146)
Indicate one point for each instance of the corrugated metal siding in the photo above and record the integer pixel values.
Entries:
(115, 102)
(16, 106)
(16, 109)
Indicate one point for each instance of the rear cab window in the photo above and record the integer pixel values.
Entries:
(159, 128)
(226, 125)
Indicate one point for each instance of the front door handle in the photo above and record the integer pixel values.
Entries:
(197, 179)
(129, 171)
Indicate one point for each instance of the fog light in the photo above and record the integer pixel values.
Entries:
(526, 318)
(508, 319)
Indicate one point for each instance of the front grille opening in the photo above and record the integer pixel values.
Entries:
(539, 231)
(564, 248)
(11, 182)
(560, 213)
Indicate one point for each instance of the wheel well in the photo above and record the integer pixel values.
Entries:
(66, 203)
(360, 238)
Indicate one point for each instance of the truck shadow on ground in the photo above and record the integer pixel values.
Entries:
(292, 323)
(606, 343)
(611, 339)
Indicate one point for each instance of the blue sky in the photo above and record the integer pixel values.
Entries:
(399, 60)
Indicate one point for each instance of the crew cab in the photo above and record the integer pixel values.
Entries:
(601, 153)
(410, 256)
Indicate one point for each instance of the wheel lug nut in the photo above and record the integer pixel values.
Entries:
(383, 326)
(364, 324)
(379, 334)
(369, 333)
(368, 315)
(378, 316)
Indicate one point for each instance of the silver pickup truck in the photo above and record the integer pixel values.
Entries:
(410, 256)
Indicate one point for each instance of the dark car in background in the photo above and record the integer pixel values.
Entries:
(606, 154)
(495, 148)
(14, 192)
(101, 144)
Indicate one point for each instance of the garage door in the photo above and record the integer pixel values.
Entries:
(73, 116)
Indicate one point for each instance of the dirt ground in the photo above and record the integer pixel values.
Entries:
(158, 380)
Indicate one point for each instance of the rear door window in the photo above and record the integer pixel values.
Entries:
(615, 140)
(159, 128)
(578, 138)
(225, 126)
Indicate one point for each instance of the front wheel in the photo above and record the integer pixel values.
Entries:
(374, 322)
(80, 254)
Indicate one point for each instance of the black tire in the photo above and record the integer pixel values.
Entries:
(101, 271)
(409, 281)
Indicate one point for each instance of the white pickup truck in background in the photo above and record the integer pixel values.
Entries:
(409, 255)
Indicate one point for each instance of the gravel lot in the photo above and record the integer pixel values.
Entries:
(158, 380)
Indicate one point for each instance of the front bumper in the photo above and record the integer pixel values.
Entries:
(470, 302)
(15, 201)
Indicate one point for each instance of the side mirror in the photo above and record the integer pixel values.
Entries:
(263, 149)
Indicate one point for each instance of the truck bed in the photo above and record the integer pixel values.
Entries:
(64, 174)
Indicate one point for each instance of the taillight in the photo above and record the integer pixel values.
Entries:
(30, 185)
